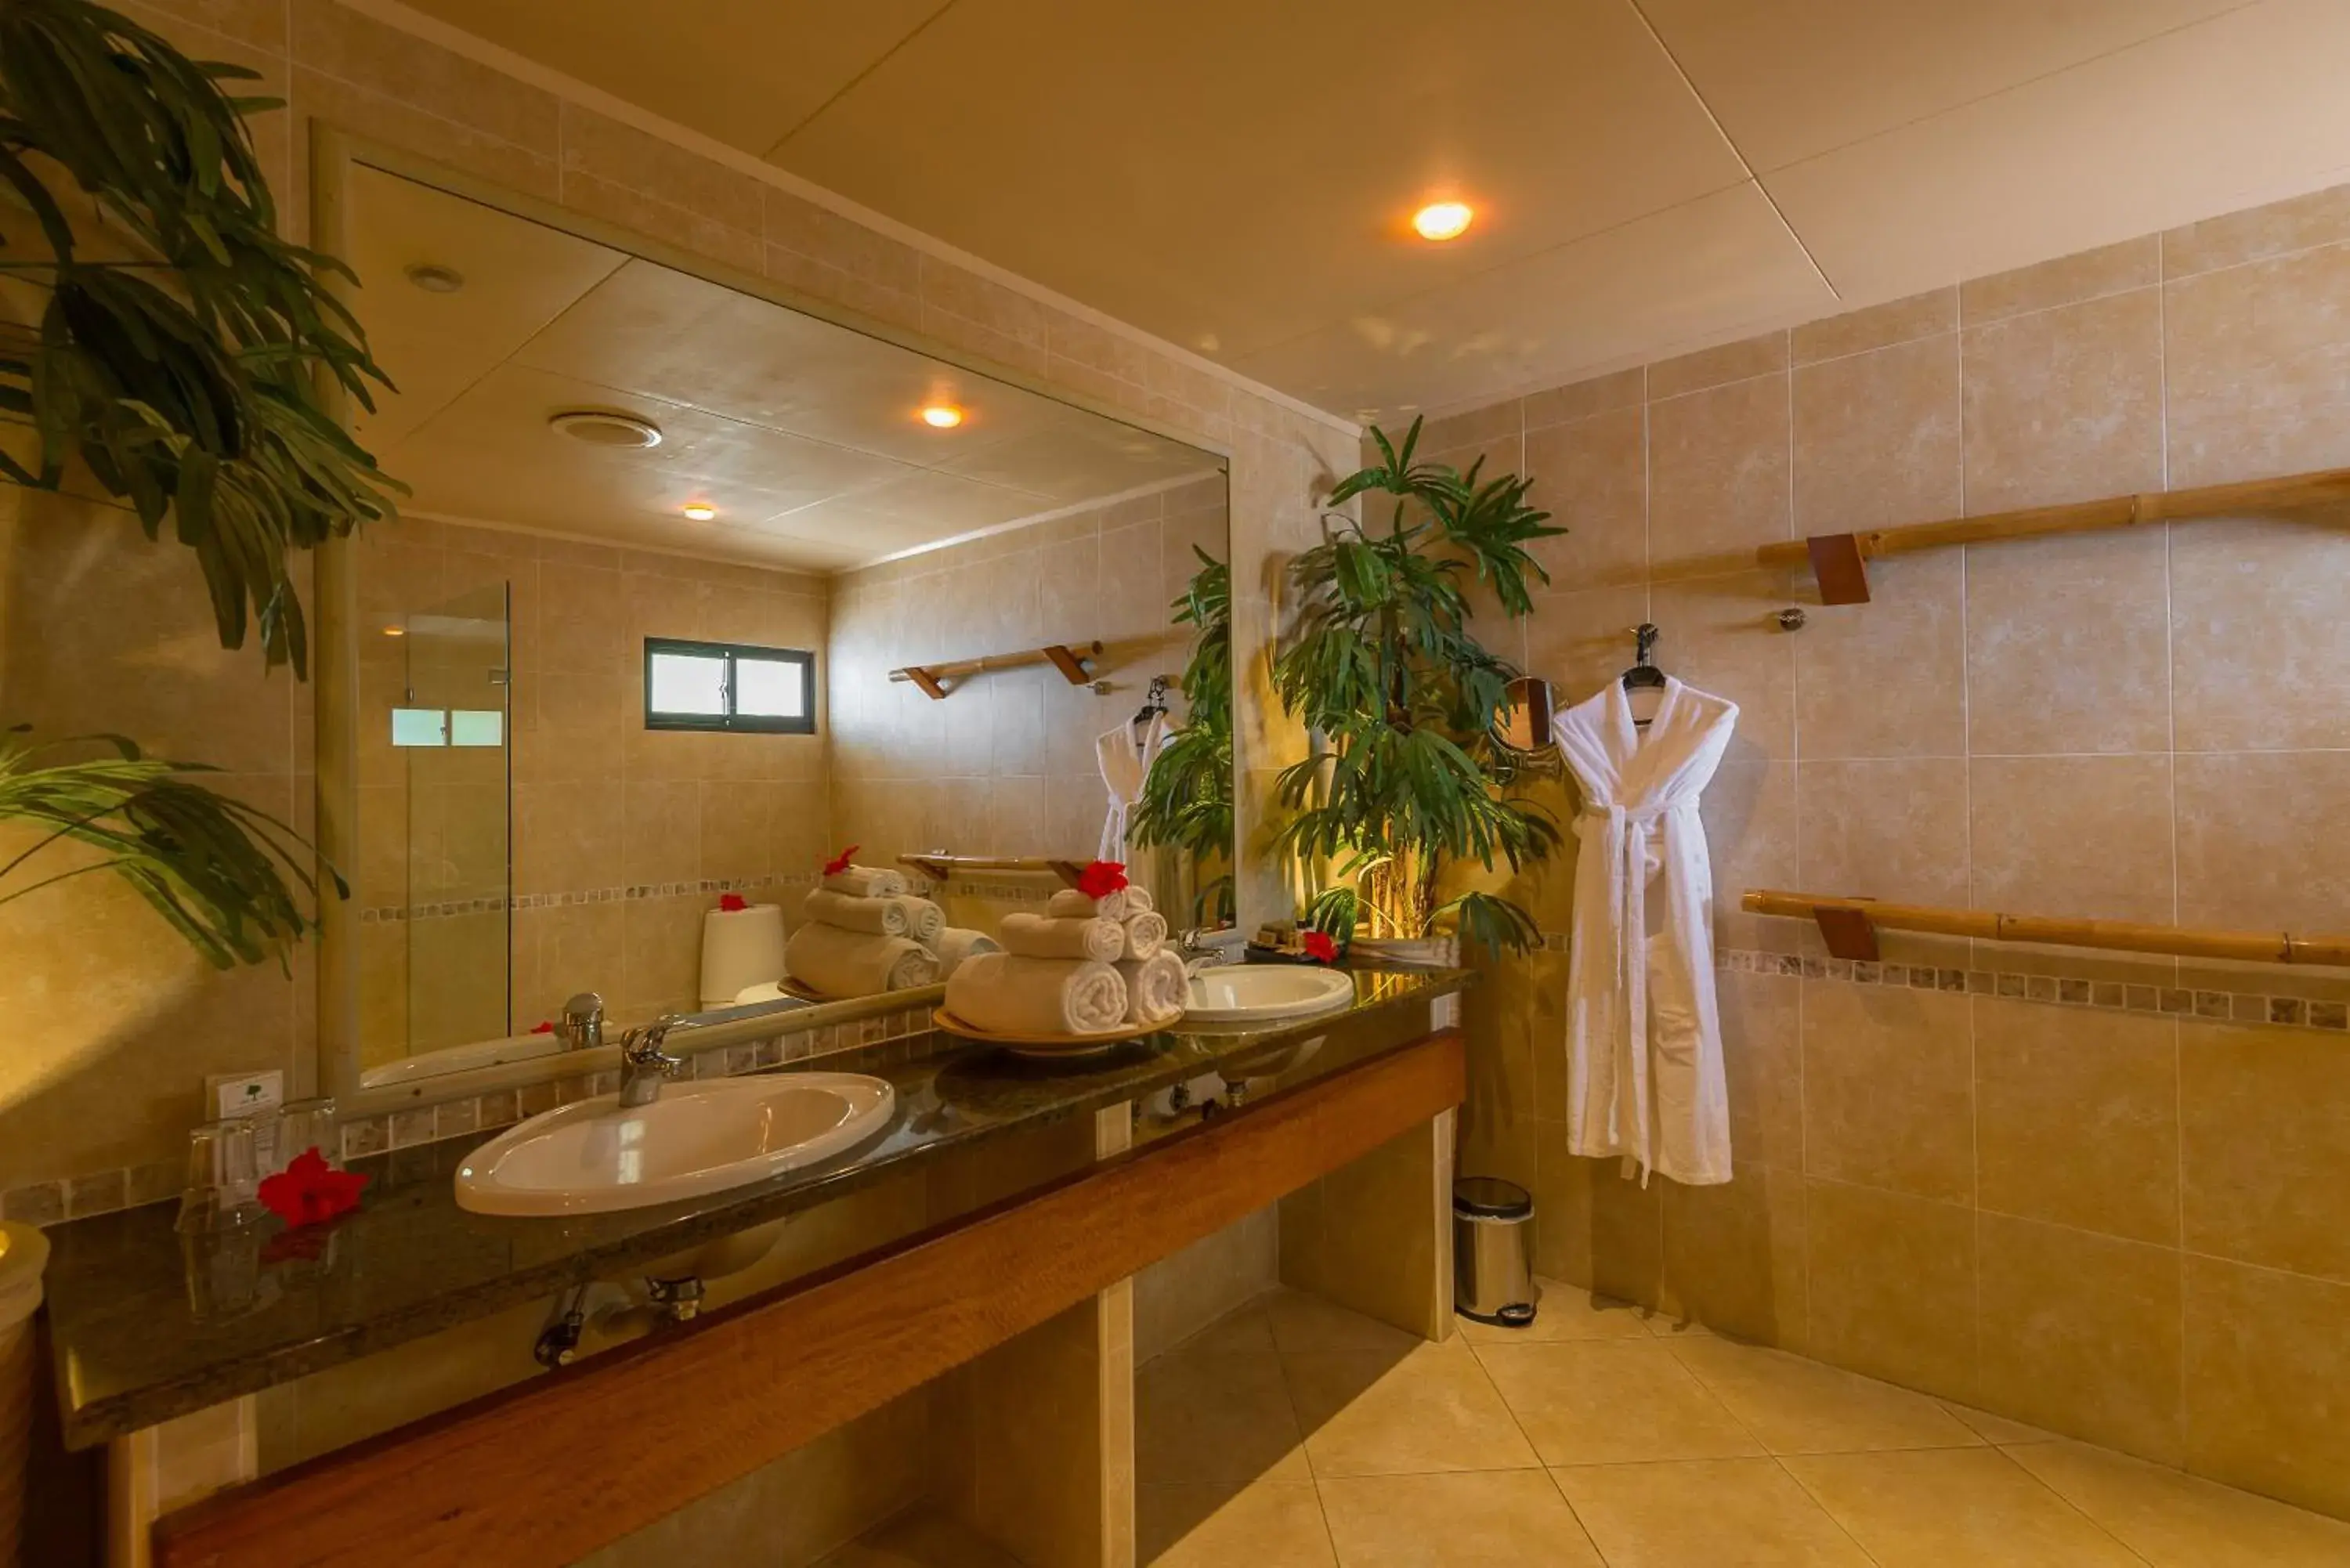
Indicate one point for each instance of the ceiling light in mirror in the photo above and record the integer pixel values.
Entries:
(1442, 219)
(943, 416)
(599, 427)
(700, 510)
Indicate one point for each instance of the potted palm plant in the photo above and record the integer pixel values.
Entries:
(1187, 795)
(1407, 779)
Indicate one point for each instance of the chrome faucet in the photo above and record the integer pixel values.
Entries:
(1205, 946)
(643, 1063)
(581, 1027)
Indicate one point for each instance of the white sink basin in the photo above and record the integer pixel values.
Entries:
(594, 1156)
(1257, 993)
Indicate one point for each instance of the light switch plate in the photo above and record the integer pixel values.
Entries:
(244, 1093)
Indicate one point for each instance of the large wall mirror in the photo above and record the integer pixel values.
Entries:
(663, 624)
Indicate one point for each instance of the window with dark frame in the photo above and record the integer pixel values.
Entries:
(729, 686)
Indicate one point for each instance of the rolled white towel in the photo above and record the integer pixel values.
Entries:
(1007, 994)
(1045, 937)
(1145, 933)
(836, 963)
(957, 943)
(1138, 900)
(868, 882)
(882, 917)
(1155, 988)
(924, 919)
(1069, 904)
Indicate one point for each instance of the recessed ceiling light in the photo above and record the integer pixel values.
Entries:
(434, 278)
(700, 510)
(1442, 219)
(395, 631)
(600, 427)
(943, 416)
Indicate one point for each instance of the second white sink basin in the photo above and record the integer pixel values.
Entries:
(1252, 993)
(697, 1138)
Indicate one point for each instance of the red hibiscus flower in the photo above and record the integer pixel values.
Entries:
(1101, 878)
(843, 861)
(1319, 947)
(309, 1190)
(733, 903)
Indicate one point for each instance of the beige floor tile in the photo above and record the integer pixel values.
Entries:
(1609, 1402)
(1705, 1513)
(2177, 1521)
(1367, 1413)
(1800, 1406)
(1208, 1419)
(1565, 1312)
(924, 1538)
(1954, 1508)
(1302, 1321)
(1486, 1519)
(1997, 1428)
(1244, 1332)
(1272, 1524)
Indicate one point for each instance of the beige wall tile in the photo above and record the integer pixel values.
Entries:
(1581, 399)
(1716, 367)
(2077, 1118)
(2266, 1137)
(2070, 835)
(335, 41)
(2068, 644)
(1750, 818)
(1720, 636)
(1612, 1402)
(1580, 641)
(2278, 228)
(1876, 438)
(1591, 475)
(1734, 1255)
(2256, 644)
(1885, 830)
(2257, 356)
(1889, 1089)
(2064, 404)
(2067, 280)
(2257, 845)
(2268, 1354)
(1877, 327)
(1593, 1227)
(1971, 1508)
(1762, 1049)
(1470, 429)
(1718, 467)
(1893, 1287)
(2081, 1333)
(1704, 1511)
(1887, 678)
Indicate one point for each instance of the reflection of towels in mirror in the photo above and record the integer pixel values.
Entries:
(1007, 994)
(867, 882)
(1069, 904)
(957, 943)
(924, 919)
(1125, 756)
(836, 963)
(882, 917)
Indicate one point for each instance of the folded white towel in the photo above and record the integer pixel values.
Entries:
(1155, 988)
(836, 963)
(882, 917)
(1145, 933)
(868, 882)
(1069, 904)
(1044, 936)
(1007, 994)
(924, 919)
(957, 943)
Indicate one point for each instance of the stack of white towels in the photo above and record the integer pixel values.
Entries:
(865, 934)
(1085, 966)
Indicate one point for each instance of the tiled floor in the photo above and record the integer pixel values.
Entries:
(1295, 1434)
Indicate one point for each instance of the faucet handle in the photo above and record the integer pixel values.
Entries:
(581, 1027)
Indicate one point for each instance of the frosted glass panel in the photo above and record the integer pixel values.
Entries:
(419, 727)
(771, 687)
(688, 683)
(477, 727)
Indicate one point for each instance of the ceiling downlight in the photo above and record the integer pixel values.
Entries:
(601, 427)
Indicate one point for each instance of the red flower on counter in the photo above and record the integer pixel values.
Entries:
(843, 861)
(1318, 946)
(733, 903)
(1101, 878)
(310, 1190)
(544, 1026)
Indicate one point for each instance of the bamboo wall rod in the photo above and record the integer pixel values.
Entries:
(1842, 919)
(1836, 558)
(1071, 661)
(943, 868)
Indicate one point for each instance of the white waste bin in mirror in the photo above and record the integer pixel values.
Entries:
(1252, 994)
(596, 1156)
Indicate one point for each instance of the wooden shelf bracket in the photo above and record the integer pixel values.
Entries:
(1074, 662)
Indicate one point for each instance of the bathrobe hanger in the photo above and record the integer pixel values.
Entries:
(1643, 676)
(1153, 705)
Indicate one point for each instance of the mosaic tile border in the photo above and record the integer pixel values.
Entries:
(906, 1033)
(2064, 991)
(387, 914)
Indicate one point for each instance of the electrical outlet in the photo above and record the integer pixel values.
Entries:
(244, 1093)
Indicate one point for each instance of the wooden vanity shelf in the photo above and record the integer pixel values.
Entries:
(1839, 561)
(1849, 927)
(1075, 663)
(946, 868)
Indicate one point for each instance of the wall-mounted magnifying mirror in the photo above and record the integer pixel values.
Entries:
(1525, 716)
(626, 654)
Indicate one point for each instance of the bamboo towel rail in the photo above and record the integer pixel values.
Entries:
(1836, 559)
(1073, 662)
(1849, 927)
(943, 868)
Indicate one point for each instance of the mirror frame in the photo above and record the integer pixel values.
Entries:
(333, 151)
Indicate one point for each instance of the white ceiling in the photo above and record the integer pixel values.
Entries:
(1652, 175)
(806, 436)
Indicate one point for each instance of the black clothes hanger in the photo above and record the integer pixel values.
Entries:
(1154, 704)
(1644, 675)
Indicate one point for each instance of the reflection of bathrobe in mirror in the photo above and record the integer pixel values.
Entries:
(1643, 1036)
(1126, 754)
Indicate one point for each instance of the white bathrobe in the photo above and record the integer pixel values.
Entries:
(1126, 756)
(1643, 1035)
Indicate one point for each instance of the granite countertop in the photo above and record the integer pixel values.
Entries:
(147, 1324)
